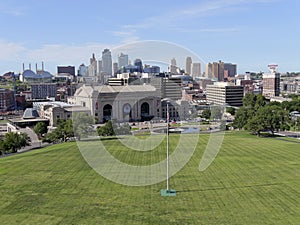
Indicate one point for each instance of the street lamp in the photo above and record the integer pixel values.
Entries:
(296, 126)
(168, 191)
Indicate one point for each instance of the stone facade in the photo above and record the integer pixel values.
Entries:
(120, 103)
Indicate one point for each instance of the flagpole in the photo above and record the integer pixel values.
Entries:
(168, 191)
(168, 119)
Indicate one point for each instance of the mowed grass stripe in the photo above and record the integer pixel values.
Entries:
(252, 181)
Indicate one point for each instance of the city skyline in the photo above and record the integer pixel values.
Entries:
(251, 34)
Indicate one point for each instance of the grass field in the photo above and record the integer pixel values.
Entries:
(252, 181)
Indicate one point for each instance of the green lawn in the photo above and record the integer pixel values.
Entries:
(252, 181)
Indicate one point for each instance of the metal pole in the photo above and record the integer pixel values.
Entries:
(168, 116)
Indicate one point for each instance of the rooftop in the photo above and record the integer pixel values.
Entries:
(39, 75)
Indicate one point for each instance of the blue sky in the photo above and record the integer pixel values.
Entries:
(250, 33)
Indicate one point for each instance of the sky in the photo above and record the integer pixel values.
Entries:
(249, 33)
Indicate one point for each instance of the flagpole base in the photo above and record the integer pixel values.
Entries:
(166, 193)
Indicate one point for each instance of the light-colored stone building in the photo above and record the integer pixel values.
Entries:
(54, 111)
(120, 103)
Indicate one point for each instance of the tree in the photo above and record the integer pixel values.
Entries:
(242, 116)
(271, 117)
(24, 140)
(249, 100)
(268, 118)
(67, 129)
(82, 125)
(216, 112)
(40, 129)
(63, 131)
(230, 110)
(2, 146)
(14, 141)
(106, 130)
(123, 130)
(206, 113)
(255, 125)
(260, 101)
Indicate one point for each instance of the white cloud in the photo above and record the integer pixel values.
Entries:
(126, 36)
(147, 51)
(12, 55)
(66, 54)
(11, 10)
(10, 50)
(204, 9)
(206, 30)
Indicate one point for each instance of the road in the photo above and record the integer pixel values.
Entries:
(289, 134)
(35, 142)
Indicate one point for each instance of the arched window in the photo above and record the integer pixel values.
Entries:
(145, 109)
(107, 112)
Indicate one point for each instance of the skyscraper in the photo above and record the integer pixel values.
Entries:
(115, 69)
(123, 60)
(215, 70)
(196, 70)
(83, 70)
(271, 82)
(93, 66)
(138, 63)
(107, 62)
(188, 65)
(231, 69)
(99, 67)
(173, 62)
(220, 71)
(208, 70)
(173, 67)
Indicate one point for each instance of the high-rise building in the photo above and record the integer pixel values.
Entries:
(215, 70)
(107, 62)
(139, 65)
(173, 62)
(115, 68)
(188, 65)
(222, 93)
(43, 91)
(93, 66)
(230, 69)
(66, 69)
(196, 70)
(83, 70)
(123, 60)
(168, 87)
(6, 99)
(152, 69)
(208, 70)
(271, 82)
(100, 69)
(173, 67)
(220, 71)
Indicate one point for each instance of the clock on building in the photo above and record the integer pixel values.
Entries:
(126, 108)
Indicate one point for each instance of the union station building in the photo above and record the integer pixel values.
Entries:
(120, 103)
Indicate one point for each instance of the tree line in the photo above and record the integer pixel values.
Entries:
(11, 142)
(257, 115)
(80, 126)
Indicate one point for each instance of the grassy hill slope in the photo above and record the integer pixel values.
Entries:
(252, 181)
